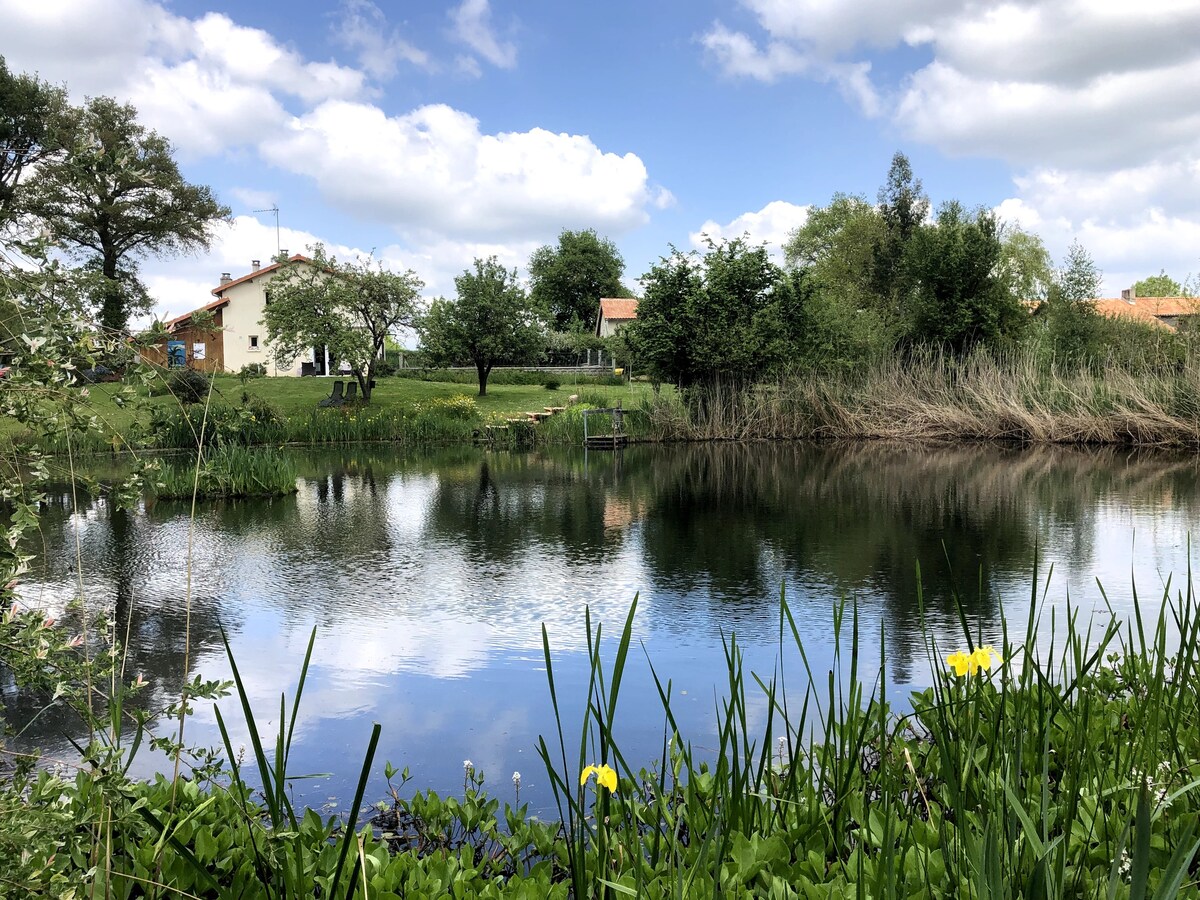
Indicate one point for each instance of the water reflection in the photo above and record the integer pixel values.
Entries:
(430, 576)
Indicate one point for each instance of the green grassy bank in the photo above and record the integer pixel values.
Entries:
(285, 410)
(1067, 771)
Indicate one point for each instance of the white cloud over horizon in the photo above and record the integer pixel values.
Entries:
(1099, 129)
(772, 225)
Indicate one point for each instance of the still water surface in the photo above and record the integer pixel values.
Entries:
(429, 578)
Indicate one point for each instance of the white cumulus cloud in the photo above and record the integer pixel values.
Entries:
(433, 170)
(1095, 105)
(771, 225)
(473, 26)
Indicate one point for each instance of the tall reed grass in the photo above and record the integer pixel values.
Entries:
(226, 472)
(1069, 770)
(941, 398)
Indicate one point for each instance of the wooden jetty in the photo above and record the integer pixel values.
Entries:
(612, 440)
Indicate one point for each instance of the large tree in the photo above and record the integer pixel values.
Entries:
(491, 322)
(1160, 285)
(116, 196)
(568, 280)
(903, 207)
(730, 316)
(837, 244)
(35, 123)
(350, 307)
(1026, 267)
(959, 298)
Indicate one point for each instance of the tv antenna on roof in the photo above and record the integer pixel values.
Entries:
(274, 209)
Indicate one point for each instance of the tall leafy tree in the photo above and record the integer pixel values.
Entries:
(350, 307)
(1071, 322)
(116, 196)
(569, 279)
(1160, 285)
(836, 244)
(903, 208)
(35, 124)
(730, 316)
(491, 322)
(1025, 265)
(959, 299)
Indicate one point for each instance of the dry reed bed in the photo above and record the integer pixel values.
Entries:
(941, 399)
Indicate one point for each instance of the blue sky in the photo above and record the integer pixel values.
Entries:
(433, 133)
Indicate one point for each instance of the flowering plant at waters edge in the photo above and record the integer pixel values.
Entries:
(605, 776)
(979, 659)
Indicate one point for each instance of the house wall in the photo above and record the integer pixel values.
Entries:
(609, 327)
(213, 339)
(243, 320)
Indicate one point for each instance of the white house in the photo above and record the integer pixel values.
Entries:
(615, 312)
(241, 338)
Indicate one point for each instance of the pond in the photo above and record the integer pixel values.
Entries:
(429, 577)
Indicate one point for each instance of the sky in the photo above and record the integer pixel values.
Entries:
(428, 134)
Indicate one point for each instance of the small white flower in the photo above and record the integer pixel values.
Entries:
(517, 778)
(468, 765)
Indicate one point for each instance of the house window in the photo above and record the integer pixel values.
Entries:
(198, 351)
(254, 342)
(266, 298)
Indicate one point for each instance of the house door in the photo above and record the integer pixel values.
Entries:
(319, 360)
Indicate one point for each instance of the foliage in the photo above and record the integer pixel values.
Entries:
(1160, 285)
(116, 196)
(189, 385)
(1073, 329)
(351, 307)
(729, 316)
(491, 323)
(568, 280)
(228, 471)
(214, 424)
(1025, 265)
(34, 126)
(958, 298)
(250, 371)
(836, 245)
(903, 209)
(508, 376)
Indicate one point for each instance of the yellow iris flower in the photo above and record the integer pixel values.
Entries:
(980, 659)
(605, 776)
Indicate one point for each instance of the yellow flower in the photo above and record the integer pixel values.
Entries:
(605, 776)
(960, 662)
(978, 660)
(984, 655)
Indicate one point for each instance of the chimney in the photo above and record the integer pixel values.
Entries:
(1129, 295)
(225, 279)
(254, 264)
(283, 253)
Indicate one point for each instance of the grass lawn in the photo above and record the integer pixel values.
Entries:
(296, 398)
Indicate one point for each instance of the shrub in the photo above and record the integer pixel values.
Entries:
(254, 422)
(552, 384)
(189, 385)
(251, 370)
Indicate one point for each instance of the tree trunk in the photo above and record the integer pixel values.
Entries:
(113, 315)
(364, 385)
(483, 372)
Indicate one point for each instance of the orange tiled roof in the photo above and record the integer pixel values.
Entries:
(295, 257)
(623, 308)
(216, 304)
(1151, 310)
